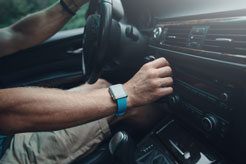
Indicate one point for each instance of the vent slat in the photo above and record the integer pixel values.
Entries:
(228, 31)
(177, 35)
(177, 38)
(239, 42)
(179, 31)
(236, 37)
(227, 39)
(233, 43)
(228, 35)
(176, 43)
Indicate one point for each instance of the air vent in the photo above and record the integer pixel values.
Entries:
(226, 38)
(177, 35)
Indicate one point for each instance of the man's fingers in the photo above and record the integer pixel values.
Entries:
(166, 82)
(165, 91)
(158, 63)
(162, 82)
(164, 71)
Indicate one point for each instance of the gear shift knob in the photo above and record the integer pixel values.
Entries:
(122, 147)
(116, 141)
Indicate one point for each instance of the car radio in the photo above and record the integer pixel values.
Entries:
(208, 104)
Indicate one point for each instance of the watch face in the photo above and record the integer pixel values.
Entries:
(117, 91)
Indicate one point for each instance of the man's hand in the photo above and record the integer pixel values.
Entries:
(152, 82)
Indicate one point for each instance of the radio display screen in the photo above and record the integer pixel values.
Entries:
(198, 84)
(198, 93)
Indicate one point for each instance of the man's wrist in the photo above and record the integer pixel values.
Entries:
(75, 5)
(129, 98)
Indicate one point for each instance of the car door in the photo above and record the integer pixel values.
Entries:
(54, 63)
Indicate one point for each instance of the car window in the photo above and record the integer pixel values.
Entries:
(13, 10)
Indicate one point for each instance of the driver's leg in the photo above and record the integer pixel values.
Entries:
(57, 147)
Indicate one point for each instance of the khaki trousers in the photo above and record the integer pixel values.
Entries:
(58, 147)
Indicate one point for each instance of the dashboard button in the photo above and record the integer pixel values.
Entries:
(209, 123)
(224, 97)
(174, 100)
(199, 31)
(149, 58)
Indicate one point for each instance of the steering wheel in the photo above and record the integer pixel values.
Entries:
(96, 40)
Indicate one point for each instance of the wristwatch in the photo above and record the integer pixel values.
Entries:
(119, 95)
(66, 8)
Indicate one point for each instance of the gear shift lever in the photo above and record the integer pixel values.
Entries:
(122, 147)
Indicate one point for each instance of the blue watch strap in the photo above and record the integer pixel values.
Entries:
(122, 105)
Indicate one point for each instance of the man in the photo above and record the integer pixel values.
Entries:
(38, 109)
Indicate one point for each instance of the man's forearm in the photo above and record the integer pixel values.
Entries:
(36, 28)
(38, 109)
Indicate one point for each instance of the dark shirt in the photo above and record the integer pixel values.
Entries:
(1, 144)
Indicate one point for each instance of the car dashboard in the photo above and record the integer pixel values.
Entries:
(205, 44)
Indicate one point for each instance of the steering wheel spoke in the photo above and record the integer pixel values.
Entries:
(96, 40)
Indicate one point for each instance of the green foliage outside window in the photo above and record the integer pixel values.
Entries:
(13, 10)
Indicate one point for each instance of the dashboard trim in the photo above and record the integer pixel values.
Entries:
(202, 21)
(239, 59)
(239, 66)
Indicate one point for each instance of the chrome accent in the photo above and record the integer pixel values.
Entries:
(224, 96)
(211, 121)
(172, 37)
(204, 159)
(186, 155)
(157, 32)
(115, 141)
(164, 127)
(83, 65)
(224, 39)
(75, 52)
(176, 147)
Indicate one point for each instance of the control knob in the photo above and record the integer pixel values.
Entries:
(224, 97)
(209, 123)
(157, 33)
(173, 100)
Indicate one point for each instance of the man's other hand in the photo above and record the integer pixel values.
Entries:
(150, 83)
(101, 83)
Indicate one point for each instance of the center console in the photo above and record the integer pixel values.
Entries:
(172, 143)
(208, 61)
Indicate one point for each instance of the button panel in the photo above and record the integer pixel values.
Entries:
(206, 112)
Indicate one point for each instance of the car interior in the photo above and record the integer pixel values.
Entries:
(205, 44)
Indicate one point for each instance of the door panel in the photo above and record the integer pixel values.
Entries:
(42, 65)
